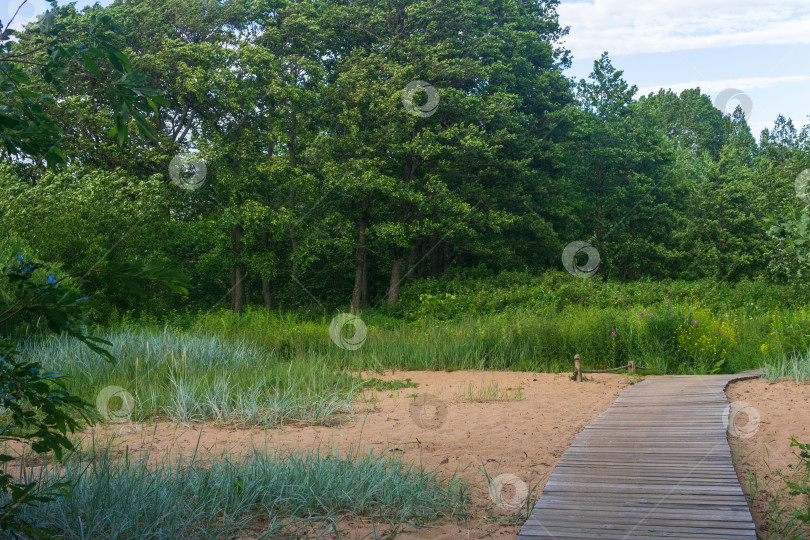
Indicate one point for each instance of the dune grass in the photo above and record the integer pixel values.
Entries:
(200, 376)
(276, 368)
(270, 495)
(795, 366)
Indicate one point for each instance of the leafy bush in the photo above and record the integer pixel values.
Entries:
(453, 297)
(703, 335)
(35, 407)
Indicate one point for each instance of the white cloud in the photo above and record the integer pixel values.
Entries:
(649, 26)
(713, 87)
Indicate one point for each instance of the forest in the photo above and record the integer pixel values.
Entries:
(269, 212)
(303, 179)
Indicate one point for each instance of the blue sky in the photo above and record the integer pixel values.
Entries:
(761, 48)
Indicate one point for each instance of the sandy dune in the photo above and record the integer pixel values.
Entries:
(762, 448)
(439, 428)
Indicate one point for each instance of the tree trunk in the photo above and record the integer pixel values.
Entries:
(412, 258)
(359, 265)
(396, 280)
(267, 294)
(237, 272)
(420, 267)
(600, 269)
(293, 241)
(238, 293)
(364, 298)
(434, 257)
(291, 151)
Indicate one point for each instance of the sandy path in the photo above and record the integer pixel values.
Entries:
(763, 448)
(523, 438)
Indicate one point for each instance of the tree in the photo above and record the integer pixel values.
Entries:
(623, 171)
(440, 184)
(728, 239)
(35, 70)
(690, 120)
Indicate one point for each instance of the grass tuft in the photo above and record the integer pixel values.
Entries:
(795, 367)
(280, 494)
(490, 391)
(201, 376)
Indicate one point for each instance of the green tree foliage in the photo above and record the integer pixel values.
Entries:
(324, 188)
(689, 120)
(58, 59)
(623, 163)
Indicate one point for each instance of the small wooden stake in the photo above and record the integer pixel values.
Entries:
(631, 367)
(577, 369)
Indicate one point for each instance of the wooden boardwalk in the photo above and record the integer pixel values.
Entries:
(657, 464)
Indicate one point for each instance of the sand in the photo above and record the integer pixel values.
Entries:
(520, 441)
(524, 438)
(762, 449)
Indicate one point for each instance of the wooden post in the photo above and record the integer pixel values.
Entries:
(577, 369)
(631, 367)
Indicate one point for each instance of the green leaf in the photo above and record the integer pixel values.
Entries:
(90, 64)
(144, 126)
(119, 60)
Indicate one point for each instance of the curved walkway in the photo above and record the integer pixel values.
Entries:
(657, 464)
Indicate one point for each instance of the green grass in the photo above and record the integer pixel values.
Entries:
(197, 376)
(543, 338)
(269, 494)
(276, 368)
(795, 367)
(516, 321)
(490, 391)
(373, 383)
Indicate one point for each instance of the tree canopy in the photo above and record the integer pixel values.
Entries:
(327, 152)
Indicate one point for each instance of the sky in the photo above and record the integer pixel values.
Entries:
(759, 48)
(749, 51)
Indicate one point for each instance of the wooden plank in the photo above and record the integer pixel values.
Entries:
(655, 465)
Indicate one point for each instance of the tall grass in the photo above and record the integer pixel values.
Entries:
(272, 495)
(195, 376)
(795, 367)
(271, 368)
(671, 337)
